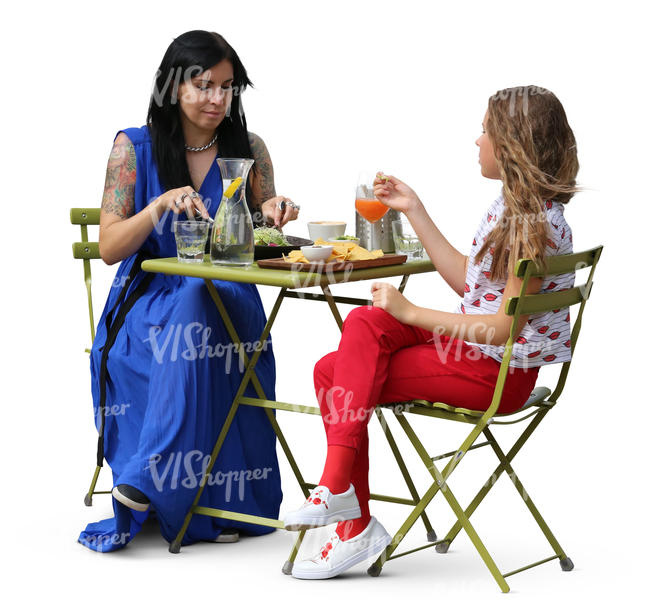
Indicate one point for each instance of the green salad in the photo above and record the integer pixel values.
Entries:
(346, 238)
(269, 236)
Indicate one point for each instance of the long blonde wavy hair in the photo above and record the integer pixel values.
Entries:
(536, 154)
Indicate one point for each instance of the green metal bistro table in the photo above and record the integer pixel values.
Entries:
(292, 284)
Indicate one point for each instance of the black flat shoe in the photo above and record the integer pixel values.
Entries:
(131, 497)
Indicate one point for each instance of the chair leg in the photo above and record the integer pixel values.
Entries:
(443, 547)
(288, 564)
(431, 534)
(376, 567)
(565, 563)
(440, 482)
(88, 500)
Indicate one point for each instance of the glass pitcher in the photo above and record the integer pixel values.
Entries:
(232, 241)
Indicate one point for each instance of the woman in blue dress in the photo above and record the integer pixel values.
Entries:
(164, 369)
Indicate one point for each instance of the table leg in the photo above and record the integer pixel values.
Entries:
(249, 375)
(402, 284)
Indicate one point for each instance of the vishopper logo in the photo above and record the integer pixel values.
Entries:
(191, 342)
(522, 92)
(100, 542)
(338, 401)
(112, 410)
(187, 470)
(469, 333)
(165, 222)
(173, 80)
(319, 272)
(120, 280)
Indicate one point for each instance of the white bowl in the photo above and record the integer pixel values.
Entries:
(325, 229)
(317, 253)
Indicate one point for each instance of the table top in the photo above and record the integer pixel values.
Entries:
(289, 279)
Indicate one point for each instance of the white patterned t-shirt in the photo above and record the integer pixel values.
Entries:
(546, 337)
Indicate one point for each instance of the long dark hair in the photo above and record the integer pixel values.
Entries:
(188, 55)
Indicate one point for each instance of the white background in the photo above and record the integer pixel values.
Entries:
(339, 87)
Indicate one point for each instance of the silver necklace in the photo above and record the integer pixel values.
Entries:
(204, 148)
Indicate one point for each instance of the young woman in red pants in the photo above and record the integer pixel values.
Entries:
(395, 351)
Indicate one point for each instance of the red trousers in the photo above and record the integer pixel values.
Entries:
(380, 360)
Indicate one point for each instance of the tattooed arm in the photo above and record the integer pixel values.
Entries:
(121, 232)
(263, 200)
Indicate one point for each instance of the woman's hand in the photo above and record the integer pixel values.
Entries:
(183, 199)
(385, 296)
(394, 193)
(275, 215)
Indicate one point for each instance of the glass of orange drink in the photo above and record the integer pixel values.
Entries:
(367, 205)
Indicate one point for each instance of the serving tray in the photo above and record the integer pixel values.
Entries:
(278, 263)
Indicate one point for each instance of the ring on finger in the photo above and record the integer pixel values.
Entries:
(294, 206)
(195, 195)
(185, 195)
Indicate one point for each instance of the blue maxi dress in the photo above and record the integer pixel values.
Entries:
(171, 376)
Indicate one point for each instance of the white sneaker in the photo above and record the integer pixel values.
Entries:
(323, 508)
(338, 555)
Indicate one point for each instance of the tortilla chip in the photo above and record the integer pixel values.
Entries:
(349, 251)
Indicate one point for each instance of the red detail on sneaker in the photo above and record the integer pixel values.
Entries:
(326, 550)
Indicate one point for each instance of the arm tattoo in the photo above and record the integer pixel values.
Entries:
(263, 184)
(119, 189)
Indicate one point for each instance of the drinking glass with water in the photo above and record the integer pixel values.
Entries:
(406, 240)
(191, 237)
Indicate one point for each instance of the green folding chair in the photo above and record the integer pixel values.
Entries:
(85, 250)
(537, 406)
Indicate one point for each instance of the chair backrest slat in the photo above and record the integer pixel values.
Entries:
(86, 250)
(543, 302)
(85, 216)
(559, 264)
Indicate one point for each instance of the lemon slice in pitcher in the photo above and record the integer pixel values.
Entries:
(232, 188)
